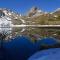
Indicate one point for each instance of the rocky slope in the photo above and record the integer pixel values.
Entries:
(37, 16)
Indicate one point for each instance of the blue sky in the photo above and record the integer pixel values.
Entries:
(22, 6)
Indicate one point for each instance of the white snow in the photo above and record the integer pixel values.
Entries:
(5, 25)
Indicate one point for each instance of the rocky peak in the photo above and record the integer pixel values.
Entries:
(34, 12)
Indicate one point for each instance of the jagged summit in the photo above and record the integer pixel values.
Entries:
(9, 12)
(34, 11)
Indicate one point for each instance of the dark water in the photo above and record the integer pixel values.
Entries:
(21, 48)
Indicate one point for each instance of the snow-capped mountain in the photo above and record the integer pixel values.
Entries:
(8, 18)
(58, 9)
(56, 12)
(10, 13)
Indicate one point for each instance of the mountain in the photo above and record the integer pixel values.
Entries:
(8, 18)
(58, 9)
(37, 16)
(34, 16)
(34, 11)
(56, 12)
(9, 14)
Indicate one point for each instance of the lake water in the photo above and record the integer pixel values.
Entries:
(21, 47)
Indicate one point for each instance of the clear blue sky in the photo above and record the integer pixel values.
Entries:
(22, 6)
